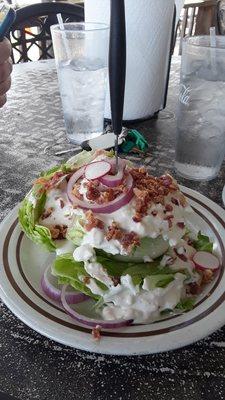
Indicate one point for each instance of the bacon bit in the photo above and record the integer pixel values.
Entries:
(127, 239)
(138, 217)
(92, 222)
(130, 240)
(207, 276)
(181, 225)
(96, 332)
(108, 195)
(76, 191)
(160, 199)
(174, 201)
(40, 181)
(181, 256)
(149, 189)
(140, 193)
(116, 280)
(114, 232)
(143, 170)
(168, 207)
(62, 204)
(170, 260)
(173, 187)
(50, 183)
(154, 213)
(47, 213)
(169, 218)
(194, 288)
(167, 180)
(92, 192)
(183, 201)
(58, 231)
(86, 280)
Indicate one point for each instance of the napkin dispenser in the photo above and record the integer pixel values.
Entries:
(150, 37)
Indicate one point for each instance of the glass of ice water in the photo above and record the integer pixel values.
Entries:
(200, 145)
(81, 55)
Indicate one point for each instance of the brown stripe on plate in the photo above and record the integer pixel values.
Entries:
(121, 334)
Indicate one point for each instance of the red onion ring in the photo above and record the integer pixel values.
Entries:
(54, 293)
(73, 179)
(107, 208)
(114, 180)
(91, 322)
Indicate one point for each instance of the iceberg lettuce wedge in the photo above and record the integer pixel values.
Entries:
(29, 214)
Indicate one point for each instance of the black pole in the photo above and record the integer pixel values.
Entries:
(117, 63)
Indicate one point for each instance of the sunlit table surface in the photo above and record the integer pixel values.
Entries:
(34, 367)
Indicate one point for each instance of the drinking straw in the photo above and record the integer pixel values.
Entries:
(213, 49)
(61, 25)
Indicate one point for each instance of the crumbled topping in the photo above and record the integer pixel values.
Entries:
(47, 213)
(52, 182)
(76, 191)
(149, 189)
(182, 256)
(128, 240)
(58, 231)
(116, 280)
(86, 280)
(96, 332)
(194, 288)
(207, 275)
(62, 204)
(92, 221)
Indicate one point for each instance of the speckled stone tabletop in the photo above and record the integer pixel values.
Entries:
(33, 367)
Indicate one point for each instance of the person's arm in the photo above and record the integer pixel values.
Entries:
(5, 69)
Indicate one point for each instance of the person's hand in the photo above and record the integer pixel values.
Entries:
(5, 69)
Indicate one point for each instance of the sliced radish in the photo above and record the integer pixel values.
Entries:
(97, 169)
(204, 260)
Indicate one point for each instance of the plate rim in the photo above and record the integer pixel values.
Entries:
(99, 349)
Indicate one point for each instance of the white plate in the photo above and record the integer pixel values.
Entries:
(21, 268)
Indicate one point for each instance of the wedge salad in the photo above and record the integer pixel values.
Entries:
(121, 238)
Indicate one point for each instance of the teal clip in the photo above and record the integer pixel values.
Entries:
(135, 141)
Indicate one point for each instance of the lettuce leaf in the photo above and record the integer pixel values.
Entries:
(183, 306)
(84, 157)
(67, 270)
(29, 215)
(152, 248)
(186, 304)
(203, 243)
(76, 232)
(158, 276)
(58, 168)
(160, 281)
(148, 269)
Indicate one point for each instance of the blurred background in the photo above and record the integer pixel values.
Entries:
(20, 3)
